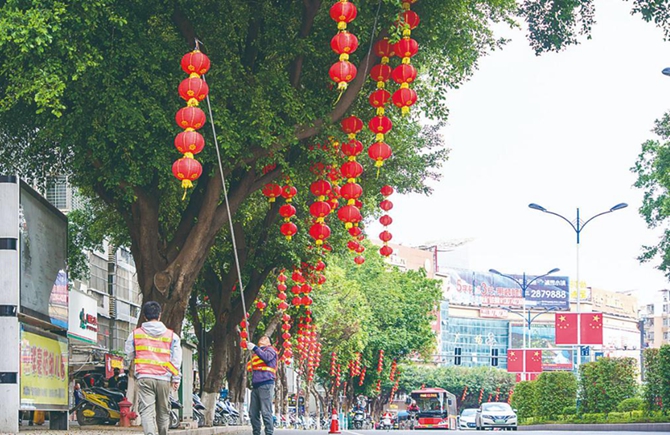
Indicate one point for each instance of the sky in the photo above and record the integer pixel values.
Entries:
(561, 130)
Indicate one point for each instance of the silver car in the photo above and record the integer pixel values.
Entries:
(492, 415)
(467, 419)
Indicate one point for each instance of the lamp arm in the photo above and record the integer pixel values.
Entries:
(536, 278)
(513, 279)
(593, 217)
(567, 220)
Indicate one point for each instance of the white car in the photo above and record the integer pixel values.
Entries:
(492, 415)
(467, 419)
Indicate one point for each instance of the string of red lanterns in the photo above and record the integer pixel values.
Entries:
(386, 220)
(191, 118)
(406, 48)
(287, 211)
(380, 124)
(380, 361)
(343, 43)
(361, 380)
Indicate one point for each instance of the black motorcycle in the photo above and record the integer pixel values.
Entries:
(359, 419)
(175, 406)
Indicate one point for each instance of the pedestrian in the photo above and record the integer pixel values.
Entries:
(263, 366)
(113, 381)
(155, 351)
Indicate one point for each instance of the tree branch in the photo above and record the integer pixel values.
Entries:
(311, 7)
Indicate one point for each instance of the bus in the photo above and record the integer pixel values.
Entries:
(437, 408)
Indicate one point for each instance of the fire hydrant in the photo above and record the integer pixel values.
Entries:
(126, 413)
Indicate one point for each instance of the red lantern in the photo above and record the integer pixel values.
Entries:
(287, 211)
(360, 249)
(281, 296)
(381, 73)
(297, 277)
(282, 278)
(380, 124)
(321, 280)
(282, 306)
(281, 287)
(190, 117)
(271, 191)
(288, 229)
(261, 305)
(288, 192)
(386, 190)
(355, 231)
(320, 188)
(319, 266)
(349, 215)
(359, 260)
(189, 142)
(386, 205)
(193, 88)
(404, 73)
(352, 148)
(295, 301)
(351, 191)
(351, 170)
(384, 49)
(319, 209)
(410, 19)
(379, 98)
(306, 288)
(379, 151)
(406, 48)
(404, 98)
(386, 220)
(187, 170)
(319, 232)
(195, 62)
(352, 125)
(344, 43)
(385, 236)
(343, 12)
(342, 73)
(244, 334)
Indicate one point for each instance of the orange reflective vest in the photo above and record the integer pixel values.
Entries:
(152, 354)
(257, 364)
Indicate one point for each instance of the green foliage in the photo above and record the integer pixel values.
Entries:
(524, 399)
(664, 369)
(654, 378)
(554, 391)
(605, 383)
(630, 405)
(570, 410)
(456, 379)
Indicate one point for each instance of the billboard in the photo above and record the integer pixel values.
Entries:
(542, 336)
(43, 252)
(467, 287)
(83, 317)
(43, 371)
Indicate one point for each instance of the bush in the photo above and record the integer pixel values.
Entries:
(553, 392)
(523, 399)
(570, 410)
(632, 404)
(606, 383)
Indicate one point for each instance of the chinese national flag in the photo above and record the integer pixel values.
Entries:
(591, 328)
(534, 361)
(566, 328)
(514, 360)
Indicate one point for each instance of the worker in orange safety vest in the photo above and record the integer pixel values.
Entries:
(263, 366)
(156, 353)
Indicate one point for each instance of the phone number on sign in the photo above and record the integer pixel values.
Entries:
(548, 294)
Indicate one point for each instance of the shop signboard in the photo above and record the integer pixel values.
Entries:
(485, 289)
(43, 371)
(83, 324)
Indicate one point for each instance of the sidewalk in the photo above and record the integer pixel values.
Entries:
(135, 430)
(624, 427)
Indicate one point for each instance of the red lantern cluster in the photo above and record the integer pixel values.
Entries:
(343, 43)
(394, 389)
(361, 379)
(406, 48)
(333, 364)
(394, 369)
(244, 334)
(378, 388)
(300, 286)
(380, 124)
(191, 118)
(286, 337)
(386, 220)
(319, 209)
(260, 305)
(287, 211)
(281, 292)
(380, 361)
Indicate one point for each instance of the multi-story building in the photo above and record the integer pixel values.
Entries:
(656, 317)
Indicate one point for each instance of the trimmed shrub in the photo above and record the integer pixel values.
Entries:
(523, 399)
(553, 392)
(629, 405)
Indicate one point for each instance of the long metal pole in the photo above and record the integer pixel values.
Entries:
(525, 325)
(579, 297)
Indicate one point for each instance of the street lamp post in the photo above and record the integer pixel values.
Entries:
(524, 284)
(578, 225)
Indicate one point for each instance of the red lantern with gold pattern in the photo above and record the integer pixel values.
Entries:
(353, 245)
(193, 88)
(355, 231)
(287, 211)
(288, 192)
(271, 191)
(404, 73)
(386, 220)
(386, 250)
(380, 124)
(319, 232)
(386, 190)
(379, 152)
(187, 170)
(379, 98)
(195, 62)
(352, 148)
(406, 48)
(288, 229)
(381, 72)
(351, 191)
(320, 188)
(351, 170)
(342, 73)
(410, 19)
(349, 215)
(320, 209)
(343, 12)
(344, 43)
(352, 125)
(404, 98)
(189, 142)
(359, 260)
(190, 117)
(386, 205)
(385, 236)
(383, 49)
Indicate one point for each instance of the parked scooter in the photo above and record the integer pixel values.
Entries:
(198, 410)
(98, 405)
(175, 406)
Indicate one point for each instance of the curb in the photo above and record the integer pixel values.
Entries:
(637, 427)
(232, 430)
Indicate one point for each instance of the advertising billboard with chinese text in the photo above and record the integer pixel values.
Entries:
(44, 371)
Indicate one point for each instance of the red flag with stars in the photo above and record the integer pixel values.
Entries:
(566, 328)
(591, 328)
(514, 360)
(534, 361)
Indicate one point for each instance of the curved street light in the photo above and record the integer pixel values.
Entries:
(578, 225)
(666, 71)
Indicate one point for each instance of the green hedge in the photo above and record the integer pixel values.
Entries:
(598, 418)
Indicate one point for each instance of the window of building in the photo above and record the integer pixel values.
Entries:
(57, 191)
(98, 277)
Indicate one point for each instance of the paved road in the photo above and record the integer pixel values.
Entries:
(446, 432)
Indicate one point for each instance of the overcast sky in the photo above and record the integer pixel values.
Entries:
(561, 130)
